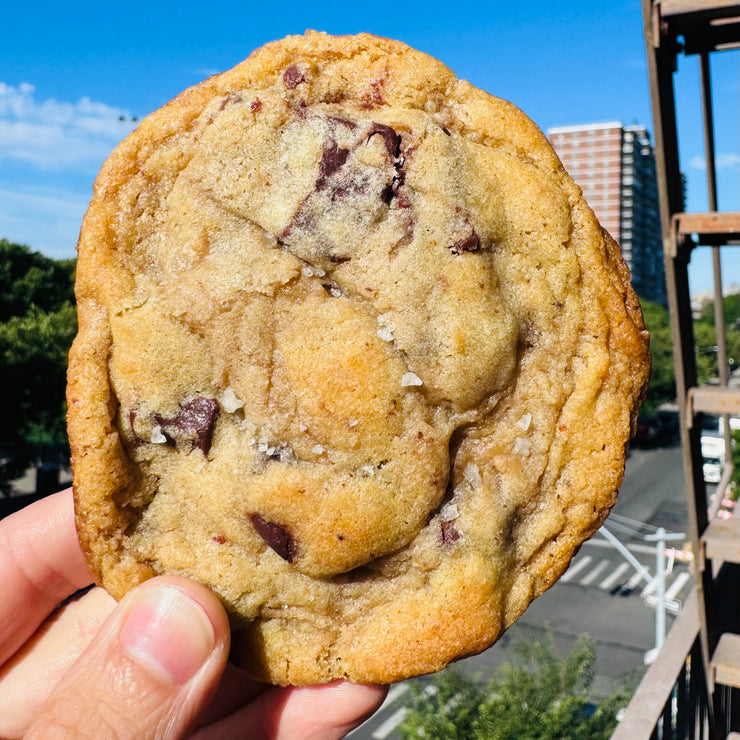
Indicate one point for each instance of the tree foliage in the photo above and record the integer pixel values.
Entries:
(538, 696)
(662, 386)
(37, 325)
(705, 338)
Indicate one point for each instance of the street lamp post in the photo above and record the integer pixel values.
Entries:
(660, 538)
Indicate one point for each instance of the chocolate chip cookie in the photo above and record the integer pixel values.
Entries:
(354, 353)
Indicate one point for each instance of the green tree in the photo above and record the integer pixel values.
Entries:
(538, 696)
(662, 386)
(705, 338)
(734, 490)
(37, 325)
(31, 279)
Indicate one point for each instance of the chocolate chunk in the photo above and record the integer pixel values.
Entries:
(390, 137)
(332, 158)
(195, 420)
(342, 122)
(373, 98)
(450, 533)
(403, 201)
(391, 191)
(229, 99)
(277, 537)
(137, 440)
(292, 77)
(469, 243)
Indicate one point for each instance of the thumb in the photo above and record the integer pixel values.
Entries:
(148, 673)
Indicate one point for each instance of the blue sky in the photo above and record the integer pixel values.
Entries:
(73, 75)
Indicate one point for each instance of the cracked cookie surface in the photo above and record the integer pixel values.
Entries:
(354, 353)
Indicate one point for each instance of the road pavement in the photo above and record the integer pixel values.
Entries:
(602, 594)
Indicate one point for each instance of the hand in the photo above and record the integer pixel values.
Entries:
(152, 666)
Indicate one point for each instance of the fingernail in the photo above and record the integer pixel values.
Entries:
(168, 633)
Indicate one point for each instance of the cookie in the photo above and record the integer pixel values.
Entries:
(353, 352)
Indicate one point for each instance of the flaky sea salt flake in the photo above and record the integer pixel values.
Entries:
(229, 401)
(157, 437)
(410, 379)
(449, 512)
(471, 473)
(522, 446)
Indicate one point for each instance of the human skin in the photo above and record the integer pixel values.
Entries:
(154, 665)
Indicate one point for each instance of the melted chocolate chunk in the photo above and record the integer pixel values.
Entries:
(373, 97)
(332, 158)
(292, 77)
(229, 99)
(137, 440)
(390, 137)
(195, 420)
(277, 537)
(469, 243)
(342, 122)
(391, 191)
(450, 533)
(403, 201)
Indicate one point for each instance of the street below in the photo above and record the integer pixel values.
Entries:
(602, 594)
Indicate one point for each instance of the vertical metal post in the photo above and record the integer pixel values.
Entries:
(659, 588)
(708, 116)
(719, 308)
(662, 47)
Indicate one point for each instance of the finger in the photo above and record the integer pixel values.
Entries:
(235, 691)
(29, 677)
(150, 671)
(326, 712)
(41, 564)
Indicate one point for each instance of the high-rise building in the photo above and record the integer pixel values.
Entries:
(615, 167)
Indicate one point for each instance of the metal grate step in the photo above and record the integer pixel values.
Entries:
(726, 660)
(710, 227)
(712, 399)
(721, 540)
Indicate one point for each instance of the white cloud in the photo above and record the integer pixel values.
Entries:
(53, 135)
(723, 161)
(45, 219)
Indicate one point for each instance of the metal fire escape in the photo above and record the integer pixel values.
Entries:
(693, 689)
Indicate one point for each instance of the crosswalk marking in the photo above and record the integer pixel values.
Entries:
(595, 573)
(382, 732)
(395, 692)
(677, 585)
(612, 579)
(649, 588)
(390, 724)
(576, 568)
(587, 571)
(632, 583)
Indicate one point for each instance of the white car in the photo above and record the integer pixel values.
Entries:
(712, 469)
